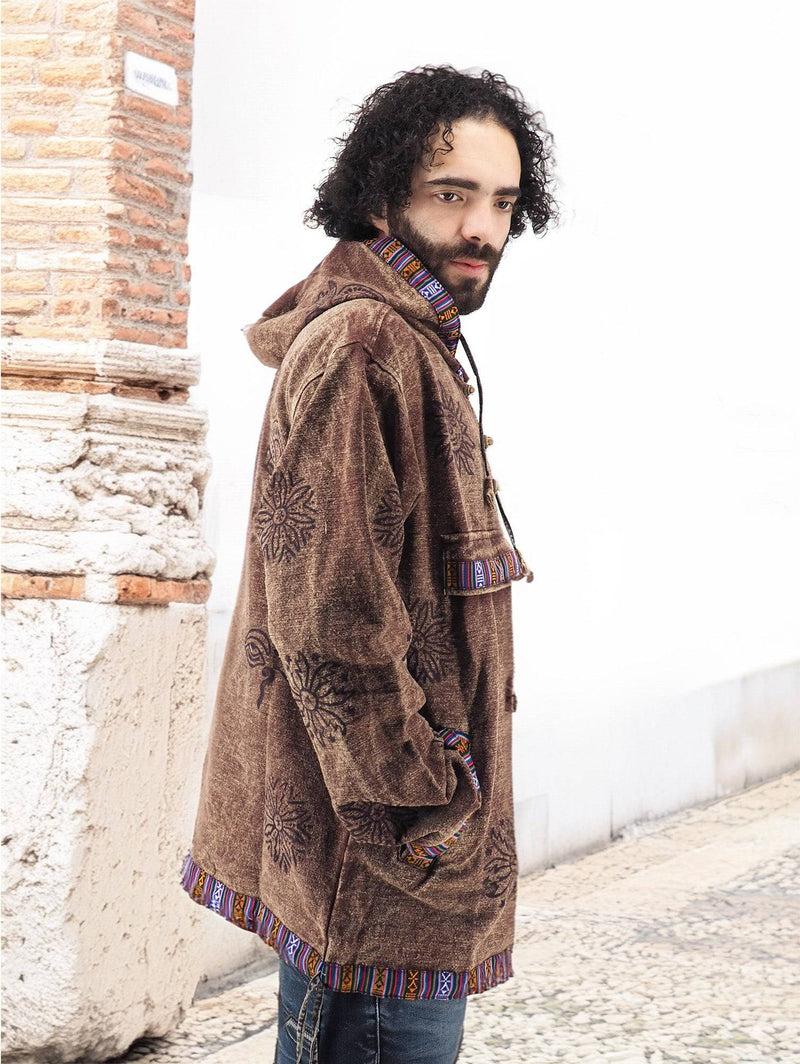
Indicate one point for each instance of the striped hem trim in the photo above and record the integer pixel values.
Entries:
(484, 573)
(248, 912)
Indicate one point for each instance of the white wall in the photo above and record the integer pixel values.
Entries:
(648, 449)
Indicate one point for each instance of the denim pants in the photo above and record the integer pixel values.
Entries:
(336, 1028)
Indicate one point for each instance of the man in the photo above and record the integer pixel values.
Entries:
(356, 809)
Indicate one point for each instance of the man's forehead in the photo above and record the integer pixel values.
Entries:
(475, 153)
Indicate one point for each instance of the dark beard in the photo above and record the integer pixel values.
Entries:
(468, 292)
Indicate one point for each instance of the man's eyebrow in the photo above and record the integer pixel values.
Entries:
(472, 186)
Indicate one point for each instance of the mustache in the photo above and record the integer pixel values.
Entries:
(463, 250)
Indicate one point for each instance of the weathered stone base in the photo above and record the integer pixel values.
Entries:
(103, 743)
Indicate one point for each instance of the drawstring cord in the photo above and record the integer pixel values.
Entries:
(312, 1002)
(489, 480)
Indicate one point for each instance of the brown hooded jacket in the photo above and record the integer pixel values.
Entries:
(356, 807)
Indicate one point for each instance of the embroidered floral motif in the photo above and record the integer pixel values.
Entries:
(367, 821)
(287, 824)
(388, 520)
(500, 868)
(260, 653)
(286, 517)
(323, 694)
(373, 822)
(454, 442)
(430, 653)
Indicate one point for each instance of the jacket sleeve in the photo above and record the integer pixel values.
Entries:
(337, 486)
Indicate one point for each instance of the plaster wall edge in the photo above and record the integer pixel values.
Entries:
(102, 360)
(104, 414)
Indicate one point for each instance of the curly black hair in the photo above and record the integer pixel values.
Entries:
(391, 133)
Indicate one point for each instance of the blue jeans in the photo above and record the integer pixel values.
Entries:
(342, 1028)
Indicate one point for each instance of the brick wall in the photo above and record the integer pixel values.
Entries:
(96, 185)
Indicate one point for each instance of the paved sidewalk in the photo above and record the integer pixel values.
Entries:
(678, 942)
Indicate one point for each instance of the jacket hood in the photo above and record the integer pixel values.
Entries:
(350, 271)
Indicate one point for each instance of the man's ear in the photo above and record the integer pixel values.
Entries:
(380, 222)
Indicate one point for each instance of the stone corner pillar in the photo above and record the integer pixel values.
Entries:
(105, 569)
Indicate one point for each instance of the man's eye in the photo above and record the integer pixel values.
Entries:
(444, 196)
(506, 205)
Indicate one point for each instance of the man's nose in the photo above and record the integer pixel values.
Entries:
(478, 224)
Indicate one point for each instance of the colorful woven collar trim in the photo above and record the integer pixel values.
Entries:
(406, 263)
(248, 912)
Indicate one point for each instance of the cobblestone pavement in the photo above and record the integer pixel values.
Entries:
(680, 941)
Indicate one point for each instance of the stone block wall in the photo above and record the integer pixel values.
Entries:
(105, 569)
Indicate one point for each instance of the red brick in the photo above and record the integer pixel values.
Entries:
(97, 44)
(177, 339)
(181, 297)
(178, 226)
(156, 27)
(137, 217)
(18, 179)
(125, 184)
(161, 167)
(131, 128)
(150, 243)
(32, 124)
(158, 112)
(93, 180)
(119, 237)
(14, 147)
(84, 234)
(136, 336)
(123, 287)
(53, 384)
(22, 305)
(26, 44)
(119, 262)
(187, 272)
(19, 70)
(37, 99)
(69, 283)
(23, 585)
(26, 234)
(162, 266)
(84, 72)
(71, 148)
(127, 152)
(155, 316)
(144, 590)
(181, 8)
(57, 210)
(19, 281)
(90, 14)
(73, 307)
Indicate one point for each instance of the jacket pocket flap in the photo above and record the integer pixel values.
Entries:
(478, 562)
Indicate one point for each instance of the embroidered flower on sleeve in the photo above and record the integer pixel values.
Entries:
(286, 516)
(287, 823)
(500, 868)
(388, 521)
(323, 694)
(368, 822)
(453, 440)
(260, 653)
(430, 653)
